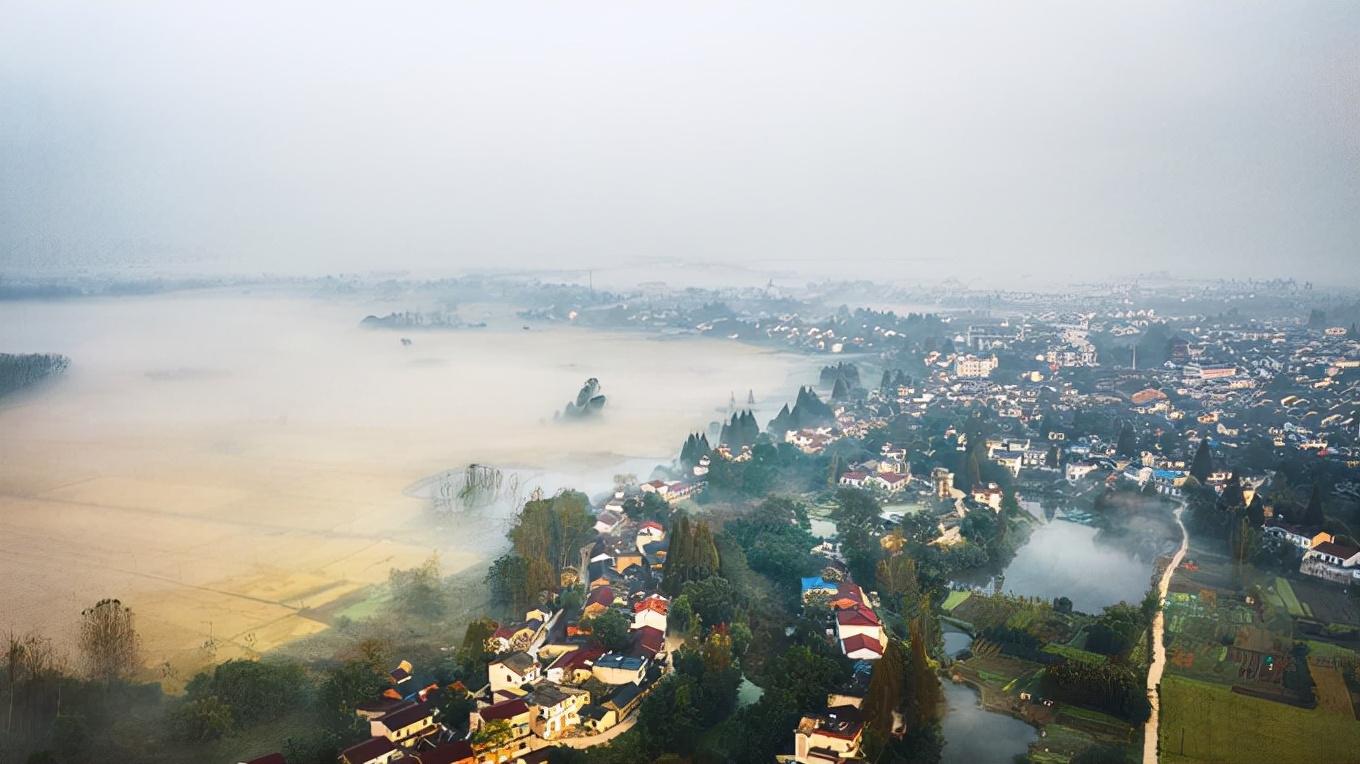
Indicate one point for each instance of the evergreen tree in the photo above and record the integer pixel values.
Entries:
(974, 472)
(1127, 444)
(693, 556)
(1203, 464)
(885, 689)
(923, 705)
(1256, 512)
(1233, 497)
(1313, 516)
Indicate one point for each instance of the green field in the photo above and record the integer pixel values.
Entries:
(1325, 650)
(1203, 722)
(1075, 653)
(955, 599)
(1291, 602)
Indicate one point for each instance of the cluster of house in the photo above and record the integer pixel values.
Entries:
(891, 472)
(1323, 557)
(812, 440)
(538, 684)
(858, 630)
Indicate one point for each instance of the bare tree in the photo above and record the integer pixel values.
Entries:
(28, 659)
(109, 640)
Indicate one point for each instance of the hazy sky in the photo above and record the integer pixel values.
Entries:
(1015, 141)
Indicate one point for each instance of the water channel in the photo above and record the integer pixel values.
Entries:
(1058, 561)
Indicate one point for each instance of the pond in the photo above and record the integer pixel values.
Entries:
(1063, 559)
(822, 528)
(973, 735)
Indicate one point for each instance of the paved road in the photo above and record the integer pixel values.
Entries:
(1159, 650)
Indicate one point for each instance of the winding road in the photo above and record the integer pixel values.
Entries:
(1154, 678)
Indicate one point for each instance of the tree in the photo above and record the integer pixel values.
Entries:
(1203, 464)
(611, 628)
(670, 718)
(1062, 605)
(348, 685)
(885, 688)
(713, 599)
(926, 697)
(418, 591)
(109, 640)
(254, 691)
(897, 583)
(1313, 516)
(1128, 442)
(473, 654)
(507, 578)
(692, 556)
(492, 735)
(203, 719)
(1256, 511)
(681, 615)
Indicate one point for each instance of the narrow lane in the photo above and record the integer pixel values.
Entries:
(1159, 649)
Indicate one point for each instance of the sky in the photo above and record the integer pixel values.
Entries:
(1005, 143)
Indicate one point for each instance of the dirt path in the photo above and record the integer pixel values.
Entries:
(1154, 678)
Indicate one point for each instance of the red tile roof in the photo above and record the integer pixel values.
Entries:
(580, 658)
(653, 602)
(368, 750)
(601, 596)
(1335, 550)
(857, 642)
(507, 709)
(860, 616)
(648, 641)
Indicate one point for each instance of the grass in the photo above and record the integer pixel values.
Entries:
(1204, 722)
(1061, 741)
(1286, 593)
(1075, 653)
(954, 599)
(1326, 650)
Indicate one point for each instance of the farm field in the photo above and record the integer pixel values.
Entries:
(1199, 720)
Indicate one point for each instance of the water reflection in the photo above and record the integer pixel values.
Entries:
(1062, 559)
(975, 736)
(956, 642)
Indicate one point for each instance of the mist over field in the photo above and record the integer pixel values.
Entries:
(230, 459)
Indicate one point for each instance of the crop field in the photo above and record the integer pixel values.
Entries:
(1202, 722)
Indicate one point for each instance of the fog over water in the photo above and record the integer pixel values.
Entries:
(1063, 559)
(221, 460)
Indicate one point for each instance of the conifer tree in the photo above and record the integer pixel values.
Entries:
(1127, 444)
(885, 688)
(1313, 516)
(1203, 464)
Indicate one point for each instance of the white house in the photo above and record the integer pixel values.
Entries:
(651, 611)
(512, 670)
